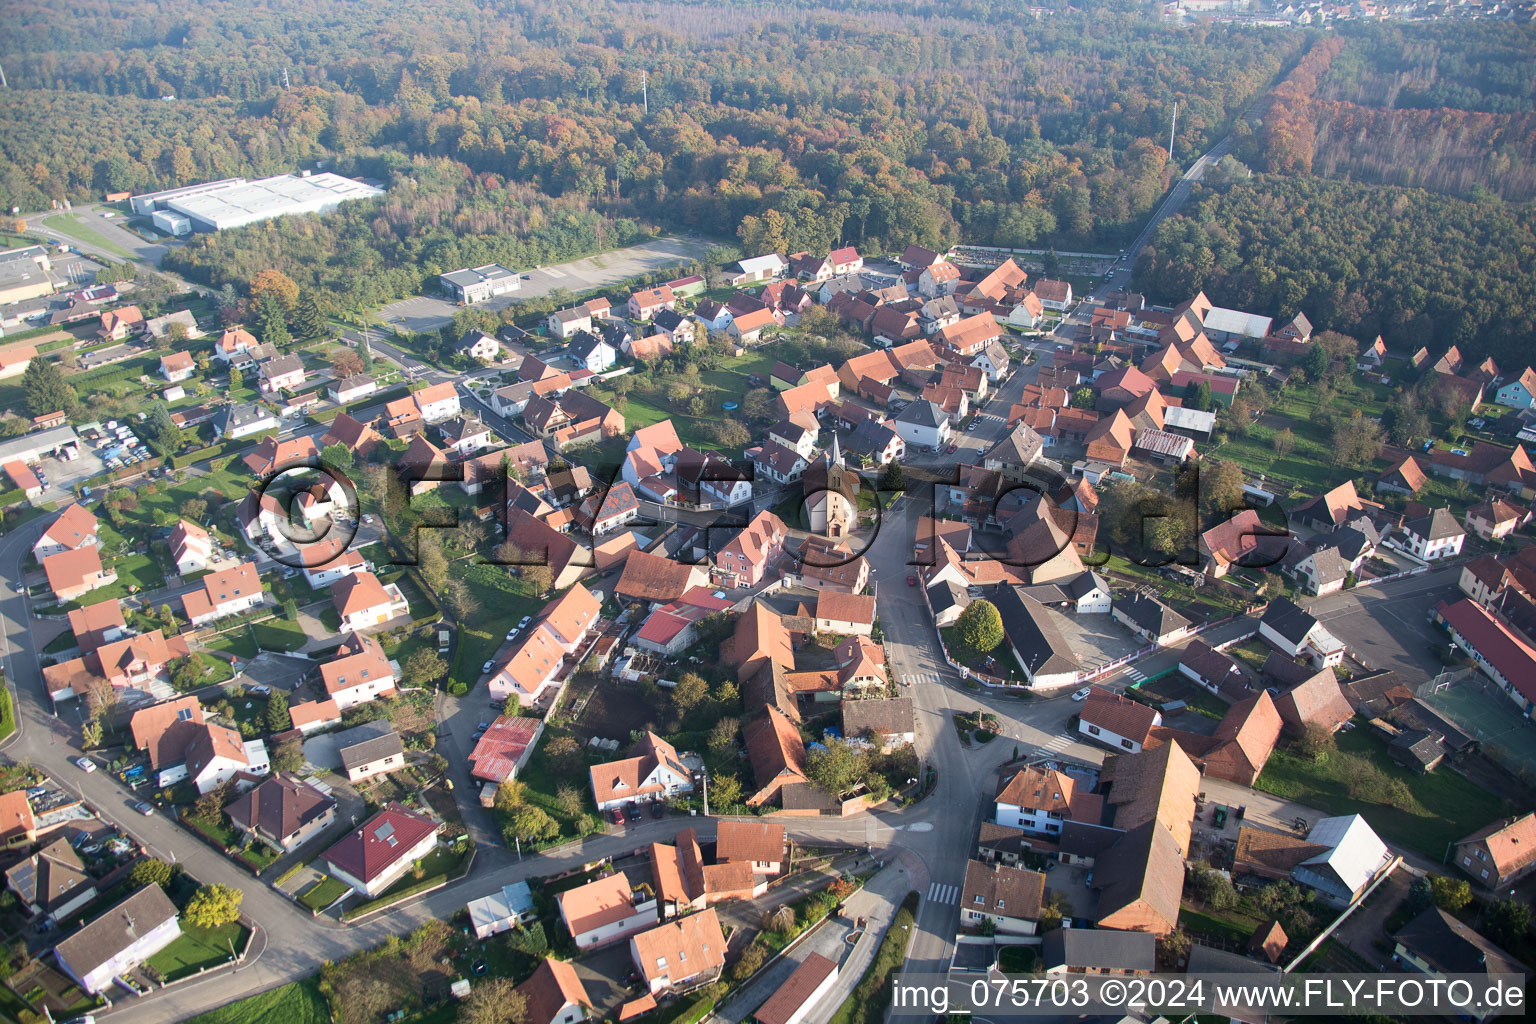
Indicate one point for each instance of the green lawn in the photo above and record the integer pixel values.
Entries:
(238, 642)
(726, 383)
(500, 601)
(79, 229)
(132, 571)
(1445, 807)
(1234, 925)
(198, 948)
(299, 1003)
(279, 635)
(323, 893)
(1016, 960)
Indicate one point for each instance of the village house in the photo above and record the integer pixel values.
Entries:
(438, 402)
(358, 672)
(1008, 897)
(654, 772)
(74, 573)
(535, 663)
(1117, 721)
(369, 750)
(605, 910)
(282, 812)
(362, 601)
(1501, 853)
(177, 367)
(118, 941)
(74, 528)
(378, 853)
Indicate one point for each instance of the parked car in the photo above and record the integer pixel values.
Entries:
(972, 425)
(523, 622)
(618, 816)
(262, 691)
(911, 581)
(85, 764)
(1082, 694)
(486, 667)
(512, 634)
(145, 808)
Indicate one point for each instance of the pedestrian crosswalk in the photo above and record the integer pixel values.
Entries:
(1058, 743)
(1135, 675)
(920, 677)
(938, 892)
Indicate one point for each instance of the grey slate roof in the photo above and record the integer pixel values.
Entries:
(1099, 948)
(1284, 617)
(368, 743)
(1150, 614)
(921, 413)
(116, 930)
(1032, 634)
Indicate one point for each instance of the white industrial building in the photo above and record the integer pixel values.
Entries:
(171, 222)
(477, 284)
(235, 202)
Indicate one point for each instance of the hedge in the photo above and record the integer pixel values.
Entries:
(214, 451)
(377, 398)
(385, 901)
(7, 711)
(10, 498)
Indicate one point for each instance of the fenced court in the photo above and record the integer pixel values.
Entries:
(1475, 704)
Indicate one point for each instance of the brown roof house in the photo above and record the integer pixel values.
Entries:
(681, 955)
(653, 772)
(1008, 897)
(1501, 853)
(605, 910)
(1317, 700)
(119, 940)
(282, 812)
(777, 754)
(52, 882)
(554, 994)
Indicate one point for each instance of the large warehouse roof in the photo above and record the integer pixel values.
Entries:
(247, 202)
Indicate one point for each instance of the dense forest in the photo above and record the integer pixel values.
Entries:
(1433, 105)
(1418, 267)
(879, 124)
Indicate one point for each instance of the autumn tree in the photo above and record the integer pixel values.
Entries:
(276, 285)
(494, 1001)
(532, 824)
(213, 906)
(150, 871)
(837, 766)
(346, 363)
(1356, 441)
(690, 691)
(980, 626)
(423, 667)
(1283, 441)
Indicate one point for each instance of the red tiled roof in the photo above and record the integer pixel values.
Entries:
(368, 851)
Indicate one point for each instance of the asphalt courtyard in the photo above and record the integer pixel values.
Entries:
(428, 313)
(1387, 626)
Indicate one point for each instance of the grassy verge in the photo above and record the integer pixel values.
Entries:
(299, 1003)
(198, 949)
(872, 996)
(323, 893)
(1441, 806)
(78, 230)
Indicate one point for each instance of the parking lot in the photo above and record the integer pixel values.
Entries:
(428, 313)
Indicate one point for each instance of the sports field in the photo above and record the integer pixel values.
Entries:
(1491, 718)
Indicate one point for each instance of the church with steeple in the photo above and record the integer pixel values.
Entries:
(831, 492)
